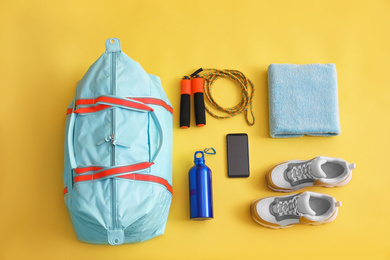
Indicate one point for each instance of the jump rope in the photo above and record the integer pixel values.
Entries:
(200, 83)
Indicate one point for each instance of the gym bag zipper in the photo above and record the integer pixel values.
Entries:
(113, 162)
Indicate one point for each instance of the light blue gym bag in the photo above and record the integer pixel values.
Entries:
(118, 152)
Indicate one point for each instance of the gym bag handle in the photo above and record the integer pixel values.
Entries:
(105, 102)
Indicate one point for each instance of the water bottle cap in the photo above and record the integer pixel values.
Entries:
(199, 160)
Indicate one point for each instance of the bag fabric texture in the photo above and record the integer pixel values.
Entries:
(118, 152)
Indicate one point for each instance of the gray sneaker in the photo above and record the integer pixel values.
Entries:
(297, 174)
(303, 208)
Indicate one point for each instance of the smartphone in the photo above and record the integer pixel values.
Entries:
(237, 155)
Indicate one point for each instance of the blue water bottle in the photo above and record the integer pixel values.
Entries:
(201, 195)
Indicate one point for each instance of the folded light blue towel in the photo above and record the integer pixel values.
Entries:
(303, 100)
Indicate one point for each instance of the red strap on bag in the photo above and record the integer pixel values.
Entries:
(112, 171)
(107, 102)
(81, 170)
(101, 173)
(154, 101)
(151, 178)
(122, 102)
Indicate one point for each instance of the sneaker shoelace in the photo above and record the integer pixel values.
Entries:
(301, 172)
(287, 207)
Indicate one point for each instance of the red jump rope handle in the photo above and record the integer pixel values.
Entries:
(185, 102)
(197, 89)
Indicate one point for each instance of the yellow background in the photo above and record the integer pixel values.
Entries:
(47, 46)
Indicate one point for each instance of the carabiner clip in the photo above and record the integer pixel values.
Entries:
(207, 151)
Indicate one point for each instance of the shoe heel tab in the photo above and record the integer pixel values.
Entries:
(338, 204)
(352, 166)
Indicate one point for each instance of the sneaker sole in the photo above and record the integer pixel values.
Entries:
(284, 227)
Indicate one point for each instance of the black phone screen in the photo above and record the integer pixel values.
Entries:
(237, 155)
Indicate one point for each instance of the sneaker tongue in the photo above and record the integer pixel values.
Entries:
(304, 206)
(316, 169)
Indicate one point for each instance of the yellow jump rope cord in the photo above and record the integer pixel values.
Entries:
(211, 75)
